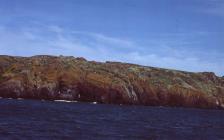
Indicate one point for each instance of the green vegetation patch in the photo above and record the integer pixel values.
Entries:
(133, 69)
(1, 77)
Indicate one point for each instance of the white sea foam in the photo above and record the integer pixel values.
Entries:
(65, 101)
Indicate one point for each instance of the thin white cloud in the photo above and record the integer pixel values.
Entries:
(106, 39)
(55, 29)
(188, 63)
(94, 46)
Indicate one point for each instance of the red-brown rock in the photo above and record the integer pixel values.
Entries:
(70, 78)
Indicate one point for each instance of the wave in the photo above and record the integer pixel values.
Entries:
(67, 101)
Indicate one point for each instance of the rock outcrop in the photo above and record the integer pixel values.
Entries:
(70, 78)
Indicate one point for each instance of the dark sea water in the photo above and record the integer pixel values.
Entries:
(30, 119)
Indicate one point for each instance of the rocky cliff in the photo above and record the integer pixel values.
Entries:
(70, 78)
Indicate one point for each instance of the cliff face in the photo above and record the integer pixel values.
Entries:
(69, 78)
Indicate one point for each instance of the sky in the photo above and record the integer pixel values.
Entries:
(175, 34)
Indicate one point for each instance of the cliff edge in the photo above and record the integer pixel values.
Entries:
(70, 78)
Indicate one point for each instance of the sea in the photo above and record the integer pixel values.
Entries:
(60, 120)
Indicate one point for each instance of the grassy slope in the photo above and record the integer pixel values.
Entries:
(50, 77)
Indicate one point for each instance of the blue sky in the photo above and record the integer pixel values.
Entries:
(176, 34)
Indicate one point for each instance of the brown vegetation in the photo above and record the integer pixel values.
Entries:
(70, 78)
